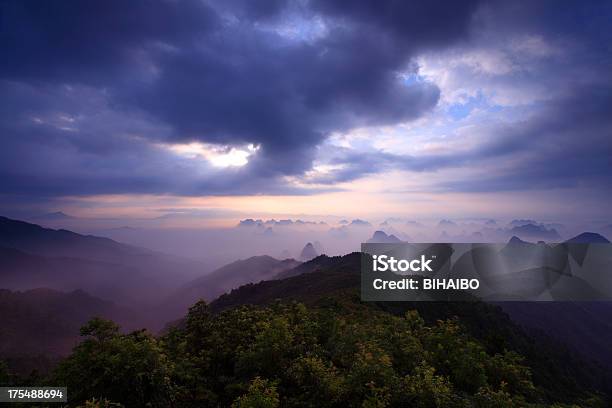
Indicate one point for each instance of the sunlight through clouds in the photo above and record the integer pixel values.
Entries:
(218, 156)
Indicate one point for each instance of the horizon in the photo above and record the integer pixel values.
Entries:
(180, 234)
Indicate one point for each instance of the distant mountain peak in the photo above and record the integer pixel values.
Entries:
(380, 237)
(516, 240)
(308, 252)
(536, 231)
(588, 238)
(521, 222)
(446, 223)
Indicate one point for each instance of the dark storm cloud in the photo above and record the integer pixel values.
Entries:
(91, 89)
(89, 41)
(246, 85)
(188, 70)
(415, 24)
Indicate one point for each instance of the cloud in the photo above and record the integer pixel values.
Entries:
(94, 43)
(566, 144)
(90, 91)
(535, 89)
(196, 98)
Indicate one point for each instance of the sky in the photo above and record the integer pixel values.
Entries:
(317, 109)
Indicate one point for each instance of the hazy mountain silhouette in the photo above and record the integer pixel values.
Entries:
(588, 238)
(360, 223)
(41, 324)
(32, 256)
(308, 282)
(35, 239)
(233, 275)
(380, 237)
(535, 232)
(516, 240)
(521, 222)
(315, 264)
(447, 223)
(308, 252)
(20, 270)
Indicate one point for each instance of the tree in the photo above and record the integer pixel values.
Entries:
(130, 369)
(261, 394)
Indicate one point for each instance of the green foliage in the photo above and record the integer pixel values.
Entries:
(343, 354)
(508, 370)
(100, 329)
(261, 394)
(94, 403)
(457, 356)
(488, 398)
(130, 368)
(424, 389)
(315, 379)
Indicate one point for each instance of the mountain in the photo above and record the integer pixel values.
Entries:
(315, 264)
(535, 232)
(339, 278)
(588, 238)
(516, 240)
(360, 223)
(308, 252)
(32, 256)
(521, 222)
(309, 281)
(447, 223)
(35, 239)
(330, 350)
(21, 271)
(233, 275)
(40, 325)
(380, 237)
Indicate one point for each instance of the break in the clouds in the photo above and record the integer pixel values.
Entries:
(203, 98)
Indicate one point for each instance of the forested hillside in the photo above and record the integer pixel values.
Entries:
(339, 354)
(336, 352)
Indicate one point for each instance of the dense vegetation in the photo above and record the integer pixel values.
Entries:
(308, 341)
(335, 354)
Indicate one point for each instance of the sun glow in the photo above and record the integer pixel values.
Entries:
(218, 156)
